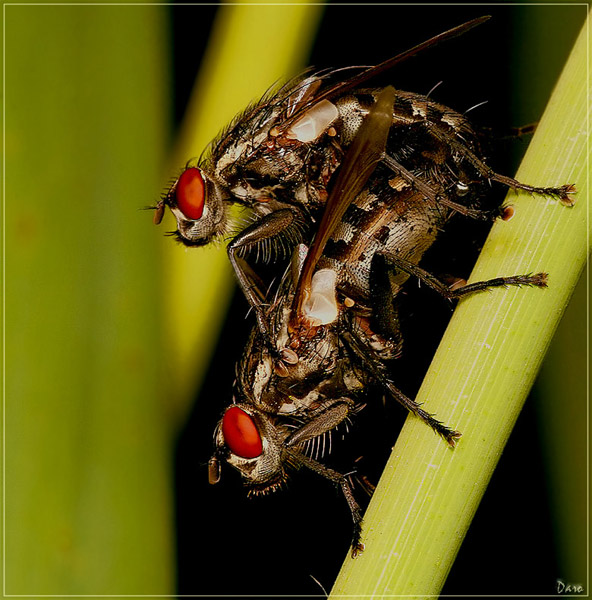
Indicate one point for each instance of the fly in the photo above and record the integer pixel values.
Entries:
(281, 157)
(334, 322)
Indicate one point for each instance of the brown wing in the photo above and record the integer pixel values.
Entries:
(370, 72)
(361, 158)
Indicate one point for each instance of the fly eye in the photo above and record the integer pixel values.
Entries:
(190, 193)
(241, 434)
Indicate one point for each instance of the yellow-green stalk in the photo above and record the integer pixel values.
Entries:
(484, 367)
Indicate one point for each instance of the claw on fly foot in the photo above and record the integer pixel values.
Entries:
(357, 549)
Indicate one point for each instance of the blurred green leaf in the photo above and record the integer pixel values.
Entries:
(87, 437)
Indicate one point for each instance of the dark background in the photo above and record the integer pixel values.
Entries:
(228, 544)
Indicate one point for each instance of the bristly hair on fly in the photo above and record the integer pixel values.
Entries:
(277, 249)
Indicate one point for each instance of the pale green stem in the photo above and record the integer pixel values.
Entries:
(484, 367)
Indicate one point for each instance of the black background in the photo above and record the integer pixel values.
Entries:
(228, 544)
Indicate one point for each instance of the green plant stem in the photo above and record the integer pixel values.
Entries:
(484, 367)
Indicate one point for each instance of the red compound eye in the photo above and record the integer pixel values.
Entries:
(191, 193)
(240, 433)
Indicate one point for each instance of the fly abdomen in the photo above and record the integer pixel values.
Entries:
(397, 221)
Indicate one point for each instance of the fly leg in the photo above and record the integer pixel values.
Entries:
(264, 229)
(383, 292)
(341, 480)
(396, 262)
(510, 133)
(437, 196)
(379, 372)
(322, 420)
(562, 193)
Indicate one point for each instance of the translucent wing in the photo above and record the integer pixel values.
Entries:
(371, 72)
(361, 158)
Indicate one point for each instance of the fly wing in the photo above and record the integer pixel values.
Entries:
(370, 72)
(361, 158)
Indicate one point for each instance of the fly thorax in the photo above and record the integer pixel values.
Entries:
(352, 110)
(238, 144)
(261, 377)
(295, 406)
(301, 367)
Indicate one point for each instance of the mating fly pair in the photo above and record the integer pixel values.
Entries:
(365, 178)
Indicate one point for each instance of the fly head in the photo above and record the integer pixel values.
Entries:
(248, 440)
(198, 204)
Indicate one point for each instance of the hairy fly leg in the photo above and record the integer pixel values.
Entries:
(392, 261)
(268, 227)
(437, 196)
(341, 480)
(441, 131)
(322, 420)
(379, 372)
(383, 292)
(446, 137)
